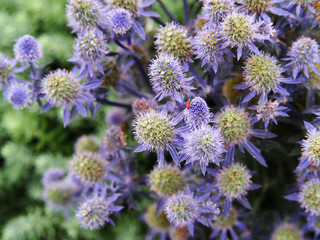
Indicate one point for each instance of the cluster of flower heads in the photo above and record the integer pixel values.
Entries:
(178, 105)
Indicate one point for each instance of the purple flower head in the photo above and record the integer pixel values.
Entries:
(240, 30)
(142, 104)
(267, 29)
(95, 211)
(207, 46)
(89, 167)
(6, 69)
(27, 49)
(19, 95)
(155, 131)
(52, 175)
(202, 146)
(287, 231)
(216, 10)
(116, 117)
(119, 21)
(89, 51)
(87, 143)
(173, 39)
(309, 196)
(310, 145)
(303, 54)
(197, 113)
(262, 7)
(168, 77)
(179, 233)
(114, 140)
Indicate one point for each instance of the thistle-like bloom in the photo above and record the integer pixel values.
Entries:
(155, 131)
(19, 95)
(52, 175)
(168, 77)
(95, 211)
(87, 143)
(309, 197)
(6, 69)
(89, 167)
(215, 10)
(262, 7)
(119, 21)
(27, 49)
(303, 54)
(114, 140)
(202, 146)
(287, 231)
(173, 39)
(240, 30)
(207, 46)
(89, 52)
(262, 74)
(142, 105)
(197, 113)
(184, 209)
(166, 181)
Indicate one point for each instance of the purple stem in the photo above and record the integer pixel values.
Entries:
(186, 14)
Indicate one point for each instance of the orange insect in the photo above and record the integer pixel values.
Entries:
(188, 104)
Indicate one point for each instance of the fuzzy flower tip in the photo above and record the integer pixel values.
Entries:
(120, 21)
(173, 39)
(311, 146)
(87, 143)
(197, 113)
(88, 167)
(143, 105)
(202, 146)
(168, 77)
(27, 49)
(114, 140)
(215, 10)
(303, 54)
(287, 231)
(6, 69)
(166, 181)
(309, 197)
(19, 95)
(130, 5)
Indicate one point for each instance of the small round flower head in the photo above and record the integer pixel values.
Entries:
(234, 124)
(114, 139)
(226, 222)
(202, 146)
(119, 21)
(179, 233)
(234, 181)
(157, 222)
(27, 49)
(240, 30)
(197, 113)
(168, 77)
(182, 209)
(130, 5)
(173, 39)
(19, 95)
(309, 197)
(217, 9)
(52, 175)
(311, 146)
(166, 181)
(61, 87)
(303, 54)
(287, 231)
(116, 117)
(88, 167)
(314, 80)
(207, 46)
(6, 69)
(257, 6)
(89, 51)
(142, 105)
(87, 143)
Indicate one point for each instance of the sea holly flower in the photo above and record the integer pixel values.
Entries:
(119, 21)
(87, 143)
(287, 231)
(155, 131)
(202, 146)
(168, 77)
(6, 69)
(142, 105)
(303, 55)
(216, 10)
(27, 50)
(18, 94)
(51, 175)
(197, 113)
(95, 211)
(114, 140)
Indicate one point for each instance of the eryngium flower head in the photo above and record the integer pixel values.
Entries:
(168, 77)
(207, 46)
(114, 139)
(27, 49)
(87, 143)
(52, 175)
(182, 209)
(240, 30)
(216, 10)
(309, 197)
(202, 146)
(173, 39)
(226, 222)
(130, 5)
(119, 21)
(155, 130)
(166, 181)
(311, 146)
(287, 231)
(303, 54)
(197, 113)
(179, 233)
(234, 124)
(234, 181)
(143, 105)
(88, 167)
(61, 87)
(157, 222)
(6, 69)
(19, 95)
